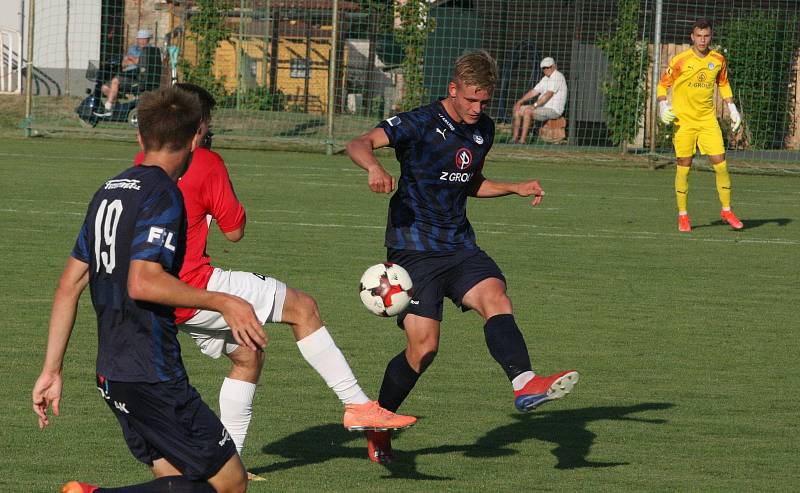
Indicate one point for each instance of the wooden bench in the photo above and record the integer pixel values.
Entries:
(554, 131)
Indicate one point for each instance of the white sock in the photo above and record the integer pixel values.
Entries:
(321, 353)
(109, 105)
(522, 380)
(236, 409)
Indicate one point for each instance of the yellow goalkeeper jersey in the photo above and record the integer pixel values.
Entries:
(692, 79)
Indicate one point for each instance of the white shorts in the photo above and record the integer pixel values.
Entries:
(544, 113)
(209, 329)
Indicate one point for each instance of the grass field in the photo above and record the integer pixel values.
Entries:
(687, 343)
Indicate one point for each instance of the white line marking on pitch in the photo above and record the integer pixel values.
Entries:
(623, 236)
(48, 213)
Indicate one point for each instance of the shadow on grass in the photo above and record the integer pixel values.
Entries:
(748, 223)
(754, 223)
(566, 429)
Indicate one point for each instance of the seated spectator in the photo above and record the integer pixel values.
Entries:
(130, 72)
(551, 96)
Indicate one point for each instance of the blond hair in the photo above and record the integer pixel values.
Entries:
(478, 69)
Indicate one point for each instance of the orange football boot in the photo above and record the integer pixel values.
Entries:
(730, 218)
(78, 487)
(370, 416)
(684, 226)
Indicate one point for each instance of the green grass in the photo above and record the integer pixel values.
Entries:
(687, 343)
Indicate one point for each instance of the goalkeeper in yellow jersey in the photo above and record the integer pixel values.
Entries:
(692, 75)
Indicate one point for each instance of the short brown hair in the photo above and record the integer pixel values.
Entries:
(702, 24)
(168, 118)
(477, 69)
(207, 101)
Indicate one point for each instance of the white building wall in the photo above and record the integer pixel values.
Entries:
(49, 47)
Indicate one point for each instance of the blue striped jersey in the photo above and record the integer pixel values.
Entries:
(441, 164)
(137, 215)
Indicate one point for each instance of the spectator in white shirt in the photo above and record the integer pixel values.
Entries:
(549, 105)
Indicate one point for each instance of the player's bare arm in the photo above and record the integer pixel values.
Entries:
(235, 235)
(490, 188)
(47, 390)
(360, 151)
(148, 281)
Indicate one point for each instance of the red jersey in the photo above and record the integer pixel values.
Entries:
(208, 194)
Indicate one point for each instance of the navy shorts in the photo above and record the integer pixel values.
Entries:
(169, 420)
(437, 275)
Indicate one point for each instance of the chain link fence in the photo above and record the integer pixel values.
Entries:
(297, 73)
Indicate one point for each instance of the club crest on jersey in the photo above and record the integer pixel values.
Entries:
(477, 138)
(393, 121)
(463, 158)
(710, 65)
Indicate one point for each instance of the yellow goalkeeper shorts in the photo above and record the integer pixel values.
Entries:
(691, 135)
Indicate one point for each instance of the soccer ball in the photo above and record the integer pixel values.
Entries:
(386, 289)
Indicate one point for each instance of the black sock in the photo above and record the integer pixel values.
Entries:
(398, 380)
(506, 345)
(166, 484)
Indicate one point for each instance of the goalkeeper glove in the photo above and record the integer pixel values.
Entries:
(665, 112)
(736, 118)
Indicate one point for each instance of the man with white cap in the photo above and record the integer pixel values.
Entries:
(549, 105)
(129, 75)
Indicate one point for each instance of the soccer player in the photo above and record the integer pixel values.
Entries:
(692, 75)
(441, 148)
(208, 194)
(129, 251)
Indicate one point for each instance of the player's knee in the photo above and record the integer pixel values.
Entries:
(231, 479)
(246, 365)
(499, 302)
(301, 310)
(238, 486)
(249, 360)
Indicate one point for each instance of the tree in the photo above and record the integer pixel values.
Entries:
(411, 34)
(624, 86)
(206, 27)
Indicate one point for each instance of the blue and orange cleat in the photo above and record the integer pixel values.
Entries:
(684, 226)
(379, 446)
(730, 218)
(78, 487)
(545, 389)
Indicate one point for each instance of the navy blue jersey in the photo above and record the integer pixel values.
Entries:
(137, 215)
(440, 166)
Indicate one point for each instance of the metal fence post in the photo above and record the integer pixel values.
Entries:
(654, 83)
(332, 77)
(29, 71)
